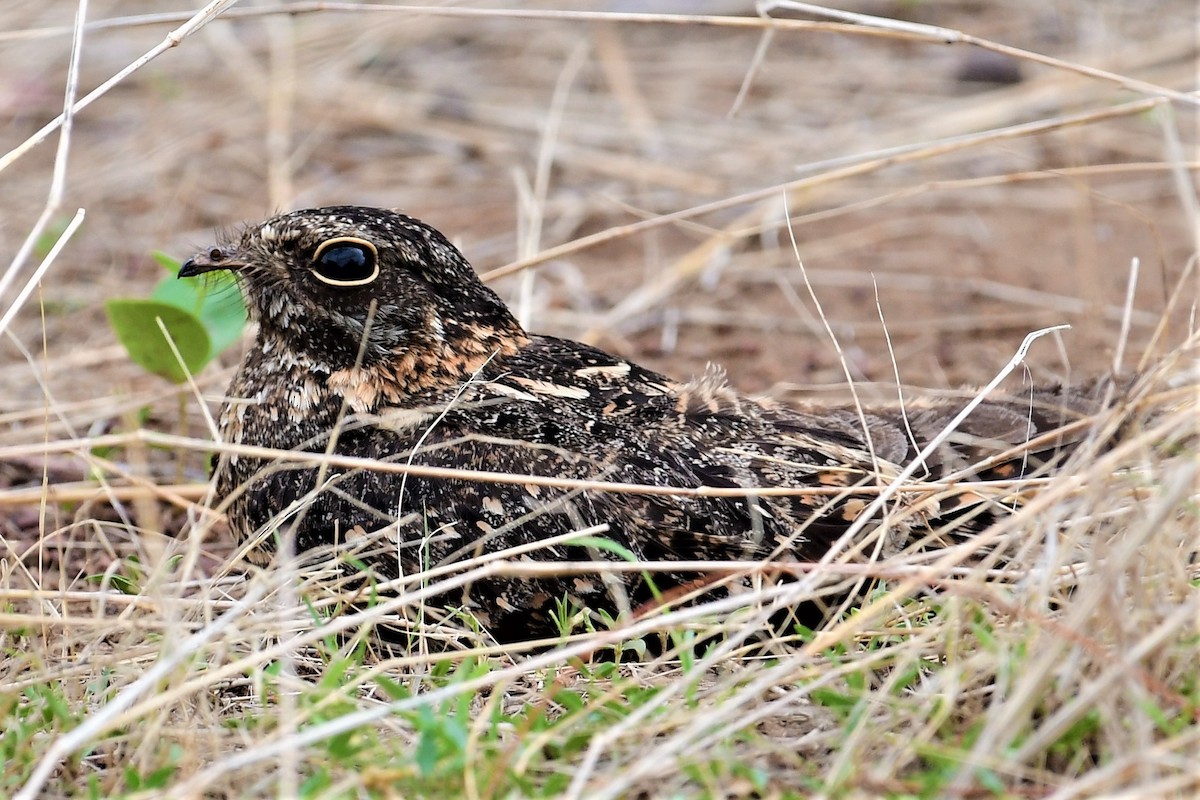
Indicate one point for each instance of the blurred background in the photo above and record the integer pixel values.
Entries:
(514, 135)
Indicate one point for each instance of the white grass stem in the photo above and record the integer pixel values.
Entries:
(1127, 317)
(58, 182)
(877, 504)
(38, 273)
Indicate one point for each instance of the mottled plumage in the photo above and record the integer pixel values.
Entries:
(372, 324)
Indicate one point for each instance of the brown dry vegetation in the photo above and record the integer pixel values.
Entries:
(646, 169)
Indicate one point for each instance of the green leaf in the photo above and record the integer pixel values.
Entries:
(991, 781)
(136, 326)
(50, 236)
(426, 754)
(834, 700)
(171, 265)
(186, 295)
(336, 672)
(214, 298)
(159, 778)
(125, 585)
(316, 783)
(341, 746)
(600, 543)
(391, 688)
(223, 313)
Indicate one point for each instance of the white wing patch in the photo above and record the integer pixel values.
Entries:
(508, 391)
(550, 389)
(611, 371)
(401, 420)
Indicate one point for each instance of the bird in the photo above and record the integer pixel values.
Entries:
(376, 339)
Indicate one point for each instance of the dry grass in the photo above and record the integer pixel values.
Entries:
(636, 182)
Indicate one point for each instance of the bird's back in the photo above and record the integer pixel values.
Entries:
(562, 413)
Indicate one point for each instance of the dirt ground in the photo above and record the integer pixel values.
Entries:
(517, 135)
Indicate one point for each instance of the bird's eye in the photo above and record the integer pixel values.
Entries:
(346, 261)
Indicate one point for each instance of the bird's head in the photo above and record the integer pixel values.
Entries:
(336, 282)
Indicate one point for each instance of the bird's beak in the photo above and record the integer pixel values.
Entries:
(210, 261)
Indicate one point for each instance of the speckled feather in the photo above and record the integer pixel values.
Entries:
(425, 365)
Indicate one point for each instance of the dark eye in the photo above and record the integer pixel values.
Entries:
(346, 261)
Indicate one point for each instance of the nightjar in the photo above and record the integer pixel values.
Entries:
(377, 339)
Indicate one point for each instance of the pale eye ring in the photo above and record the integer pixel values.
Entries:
(346, 261)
